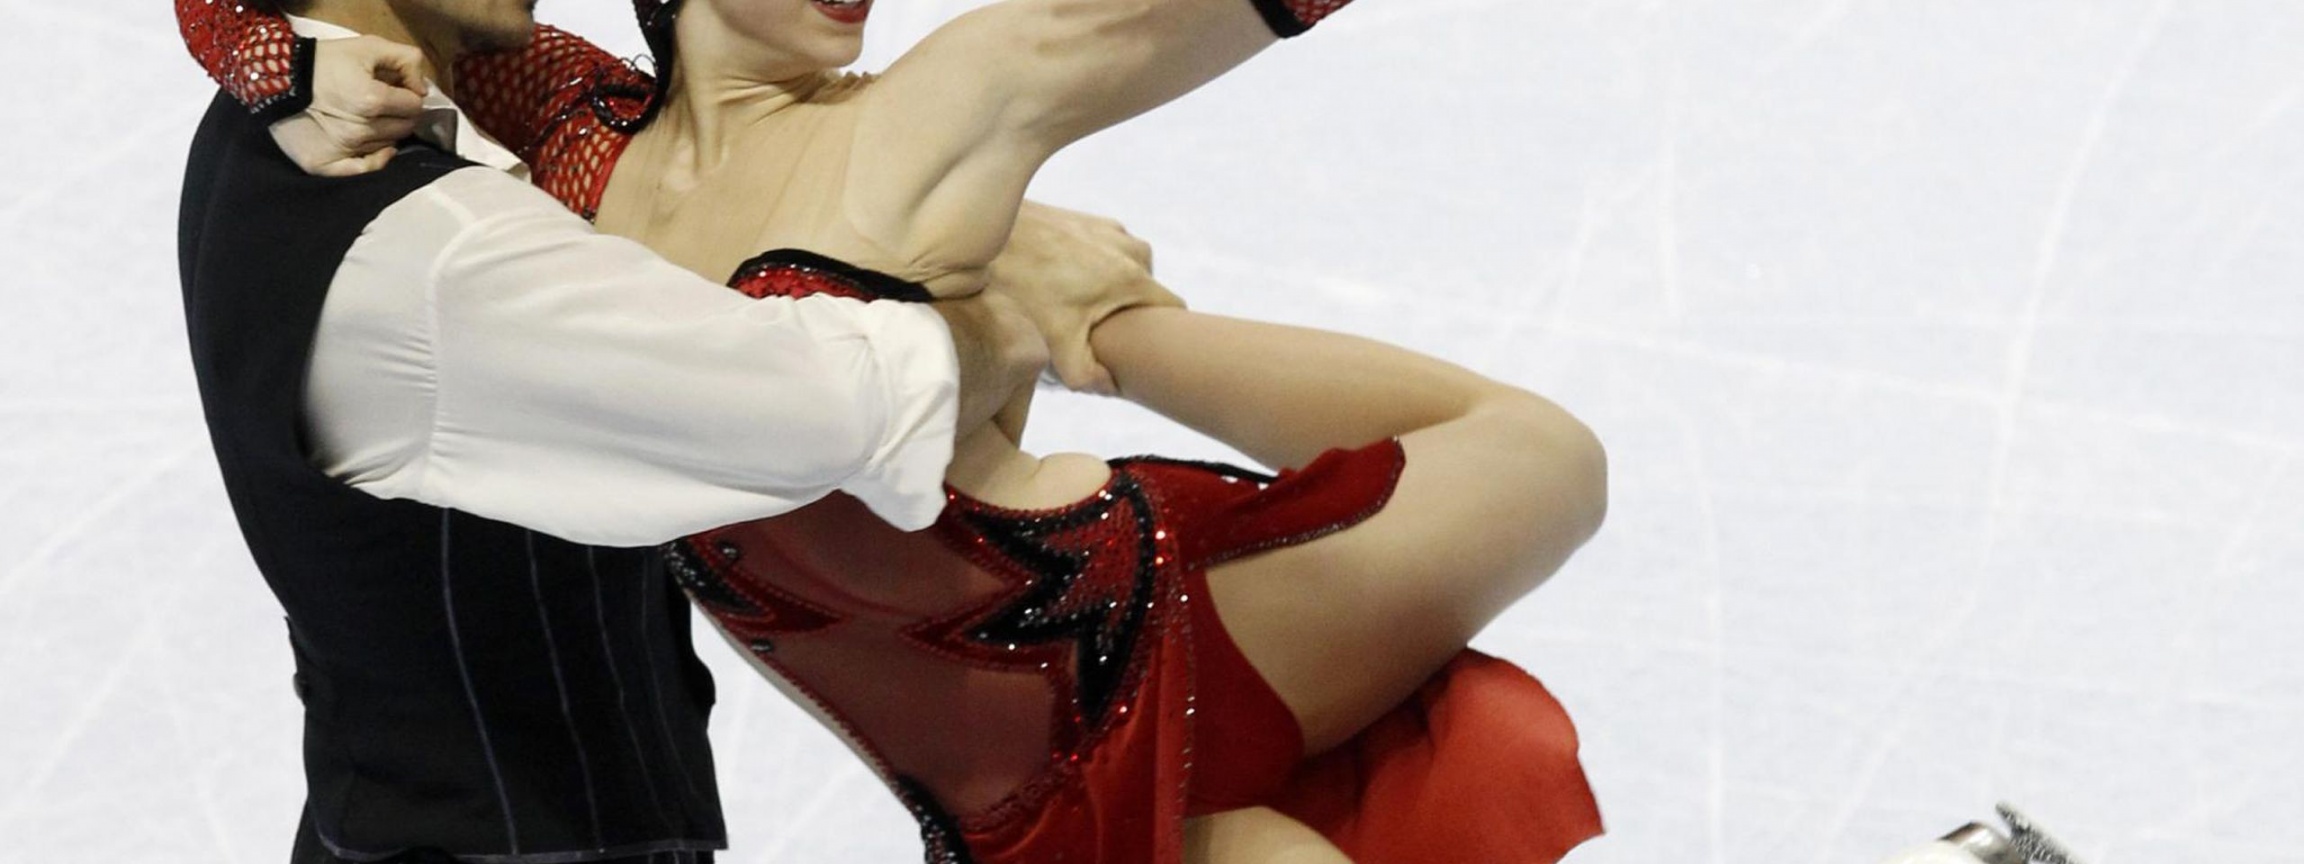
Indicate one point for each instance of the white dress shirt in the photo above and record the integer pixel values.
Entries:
(484, 349)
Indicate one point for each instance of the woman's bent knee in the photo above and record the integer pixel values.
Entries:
(1256, 835)
(1561, 457)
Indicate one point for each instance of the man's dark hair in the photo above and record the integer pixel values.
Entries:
(279, 7)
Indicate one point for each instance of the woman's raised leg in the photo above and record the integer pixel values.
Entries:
(1500, 487)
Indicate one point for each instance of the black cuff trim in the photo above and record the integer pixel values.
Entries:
(298, 96)
(871, 282)
(1282, 21)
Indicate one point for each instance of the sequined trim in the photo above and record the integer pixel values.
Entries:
(705, 569)
(755, 635)
(841, 725)
(801, 273)
(1399, 464)
(939, 832)
(1073, 731)
(1102, 614)
(255, 57)
(1221, 469)
(705, 565)
(709, 589)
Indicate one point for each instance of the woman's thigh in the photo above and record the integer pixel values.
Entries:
(1347, 626)
(1256, 835)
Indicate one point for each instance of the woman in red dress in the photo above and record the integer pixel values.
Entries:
(1140, 660)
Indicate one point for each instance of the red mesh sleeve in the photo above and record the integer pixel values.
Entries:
(1292, 17)
(516, 95)
(552, 103)
(254, 56)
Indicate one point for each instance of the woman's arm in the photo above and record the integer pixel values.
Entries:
(1283, 395)
(255, 57)
(1054, 71)
(347, 90)
(955, 129)
(560, 103)
(522, 98)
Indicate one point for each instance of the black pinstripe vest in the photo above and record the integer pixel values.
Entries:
(469, 686)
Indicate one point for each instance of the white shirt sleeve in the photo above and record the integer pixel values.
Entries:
(483, 349)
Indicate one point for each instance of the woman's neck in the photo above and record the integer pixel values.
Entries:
(723, 85)
(709, 116)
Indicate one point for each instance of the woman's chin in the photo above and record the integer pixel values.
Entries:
(837, 57)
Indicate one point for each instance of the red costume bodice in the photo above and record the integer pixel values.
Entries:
(1032, 683)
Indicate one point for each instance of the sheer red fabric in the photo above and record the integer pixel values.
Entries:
(555, 103)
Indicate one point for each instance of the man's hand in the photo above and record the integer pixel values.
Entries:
(366, 95)
(1069, 271)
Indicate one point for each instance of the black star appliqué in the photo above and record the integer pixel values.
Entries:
(1095, 584)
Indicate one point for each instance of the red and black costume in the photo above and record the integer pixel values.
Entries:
(1054, 685)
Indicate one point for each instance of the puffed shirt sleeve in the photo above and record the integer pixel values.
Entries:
(483, 349)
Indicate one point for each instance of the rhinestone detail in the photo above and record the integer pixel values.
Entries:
(253, 56)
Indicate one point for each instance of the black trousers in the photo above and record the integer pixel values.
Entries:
(309, 850)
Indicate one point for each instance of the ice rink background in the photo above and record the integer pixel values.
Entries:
(1950, 356)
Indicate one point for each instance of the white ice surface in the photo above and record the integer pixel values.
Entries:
(1950, 355)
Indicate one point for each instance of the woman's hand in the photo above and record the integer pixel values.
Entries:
(1069, 271)
(366, 95)
(1001, 353)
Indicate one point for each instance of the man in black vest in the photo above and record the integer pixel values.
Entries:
(453, 422)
